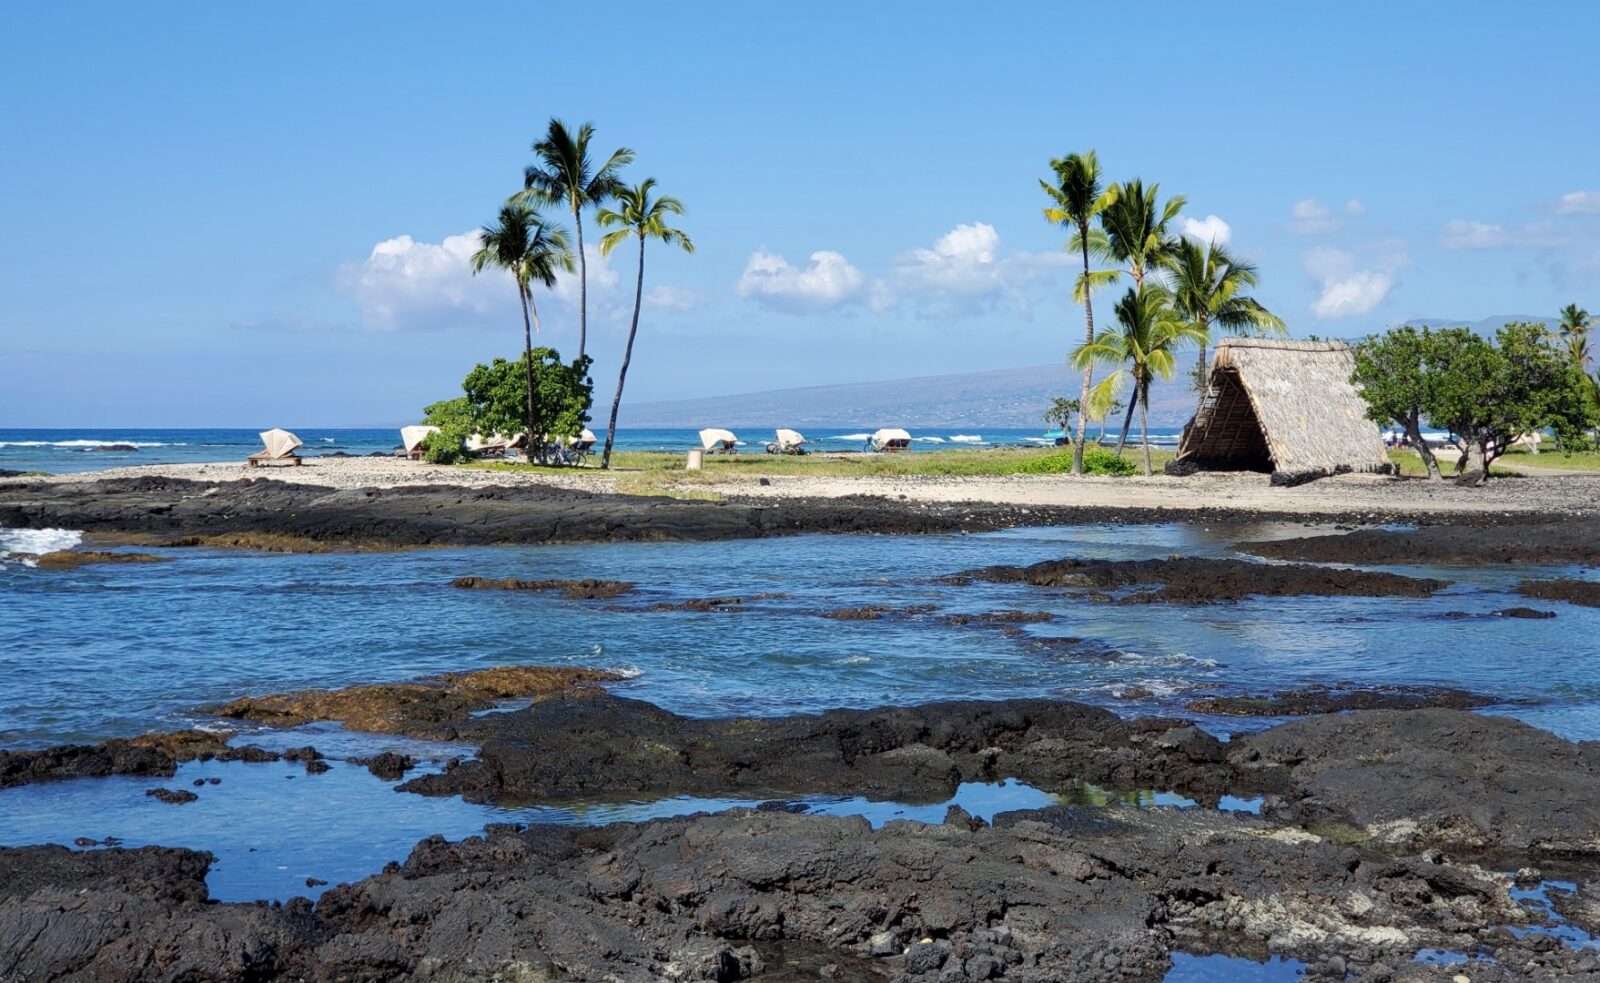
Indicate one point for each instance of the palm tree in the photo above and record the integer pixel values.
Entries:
(1135, 227)
(1143, 344)
(564, 175)
(1077, 199)
(532, 251)
(1208, 289)
(644, 218)
(1575, 327)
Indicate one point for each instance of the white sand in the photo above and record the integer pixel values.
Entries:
(1245, 491)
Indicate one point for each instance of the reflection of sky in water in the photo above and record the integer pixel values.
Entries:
(119, 649)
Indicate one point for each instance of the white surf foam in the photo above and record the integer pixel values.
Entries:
(967, 438)
(88, 443)
(38, 540)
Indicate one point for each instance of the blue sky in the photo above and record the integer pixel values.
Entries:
(255, 214)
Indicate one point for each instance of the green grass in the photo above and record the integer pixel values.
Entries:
(1554, 459)
(1411, 465)
(654, 470)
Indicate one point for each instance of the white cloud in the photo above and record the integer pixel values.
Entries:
(1579, 203)
(1310, 217)
(1343, 289)
(963, 272)
(602, 280)
(827, 281)
(1468, 234)
(669, 298)
(406, 285)
(1355, 208)
(1210, 229)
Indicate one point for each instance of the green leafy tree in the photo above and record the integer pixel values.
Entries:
(453, 417)
(1136, 226)
(1077, 198)
(562, 394)
(1489, 394)
(1394, 375)
(565, 175)
(1144, 346)
(1061, 412)
(1208, 289)
(532, 251)
(643, 217)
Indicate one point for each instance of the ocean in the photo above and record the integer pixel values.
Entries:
(61, 451)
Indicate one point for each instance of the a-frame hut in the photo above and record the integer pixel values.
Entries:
(1285, 407)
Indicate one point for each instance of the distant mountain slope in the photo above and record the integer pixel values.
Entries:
(1487, 326)
(998, 398)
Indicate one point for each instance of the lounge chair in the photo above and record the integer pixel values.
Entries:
(411, 439)
(279, 448)
(889, 440)
(788, 442)
(717, 441)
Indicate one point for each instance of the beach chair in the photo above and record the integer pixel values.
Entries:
(717, 441)
(278, 448)
(411, 439)
(788, 442)
(889, 440)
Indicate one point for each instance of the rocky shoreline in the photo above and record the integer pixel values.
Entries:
(1380, 833)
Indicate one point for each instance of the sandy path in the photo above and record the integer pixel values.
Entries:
(1245, 491)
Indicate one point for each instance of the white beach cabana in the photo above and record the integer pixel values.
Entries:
(718, 441)
(411, 439)
(788, 442)
(582, 442)
(889, 439)
(279, 445)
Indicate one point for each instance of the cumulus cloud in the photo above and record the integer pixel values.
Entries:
(1355, 208)
(828, 280)
(602, 280)
(963, 271)
(1210, 229)
(406, 285)
(1579, 203)
(1310, 217)
(1344, 290)
(669, 298)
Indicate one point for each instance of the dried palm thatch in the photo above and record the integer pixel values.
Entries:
(1287, 407)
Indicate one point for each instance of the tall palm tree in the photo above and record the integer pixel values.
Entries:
(1136, 227)
(1077, 198)
(1575, 327)
(643, 217)
(564, 175)
(532, 251)
(1143, 344)
(1208, 286)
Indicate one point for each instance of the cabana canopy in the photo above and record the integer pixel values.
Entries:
(789, 438)
(583, 441)
(712, 437)
(413, 436)
(1287, 407)
(887, 434)
(279, 443)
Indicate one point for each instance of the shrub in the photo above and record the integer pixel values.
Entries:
(1096, 460)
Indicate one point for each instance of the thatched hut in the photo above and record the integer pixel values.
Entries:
(1286, 407)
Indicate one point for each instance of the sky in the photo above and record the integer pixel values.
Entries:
(258, 214)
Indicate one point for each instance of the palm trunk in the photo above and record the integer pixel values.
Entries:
(1144, 426)
(1088, 370)
(527, 361)
(531, 437)
(1127, 420)
(583, 284)
(1202, 379)
(627, 355)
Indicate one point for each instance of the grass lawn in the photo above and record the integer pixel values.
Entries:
(649, 471)
(1554, 459)
(1411, 465)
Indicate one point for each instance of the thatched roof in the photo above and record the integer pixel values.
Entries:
(1283, 406)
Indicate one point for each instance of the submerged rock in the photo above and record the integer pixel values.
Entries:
(1584, 592)
(577, 590)
(1572, 540)
(389, 765)
(1202, 580)
(72, 559)
(153, 755)
(176, 797)
(429, 707)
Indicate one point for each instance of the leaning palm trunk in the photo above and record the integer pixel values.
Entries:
(532, 439)
(527, 362)
(583, 284)
(627, 355)
(1088, 369)
(1127, 419)
(1144, 424)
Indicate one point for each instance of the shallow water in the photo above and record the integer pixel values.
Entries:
(114, 650)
